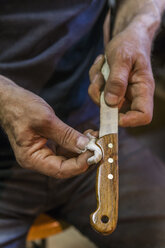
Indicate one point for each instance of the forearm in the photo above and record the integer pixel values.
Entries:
(145, 14)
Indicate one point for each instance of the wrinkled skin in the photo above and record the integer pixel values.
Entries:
(131, 82)
(39, 139)
(44, 143)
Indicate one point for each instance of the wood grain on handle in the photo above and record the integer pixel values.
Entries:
(104, 219)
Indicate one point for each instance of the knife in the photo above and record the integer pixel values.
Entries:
(104, 219)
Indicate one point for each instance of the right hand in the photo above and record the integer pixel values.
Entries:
(29, 122)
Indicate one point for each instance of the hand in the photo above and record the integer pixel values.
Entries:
(131, 80)
(29, 122)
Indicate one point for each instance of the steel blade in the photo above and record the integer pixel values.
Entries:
(108, 115)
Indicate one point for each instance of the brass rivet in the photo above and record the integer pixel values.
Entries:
(110, 160)
(110, 176)
(110, 145)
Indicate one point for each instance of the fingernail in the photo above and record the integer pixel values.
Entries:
(97, 59)
(111, 99)
(82, 142)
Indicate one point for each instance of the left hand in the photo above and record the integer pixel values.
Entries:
(131, 80)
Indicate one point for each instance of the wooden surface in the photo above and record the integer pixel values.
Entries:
(43, 227)
(104, 219)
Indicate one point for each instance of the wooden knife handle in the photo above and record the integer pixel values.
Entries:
(104, 219)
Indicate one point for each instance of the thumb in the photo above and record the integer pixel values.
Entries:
(66, 136)
(116, 84)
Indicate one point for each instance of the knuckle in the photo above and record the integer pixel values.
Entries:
(117, 86)
(124, 55)
(143, 62)
(68, 136)
(21, 137)
(47, 118)
(44, 120)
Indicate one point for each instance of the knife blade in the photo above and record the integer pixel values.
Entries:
(104, 219)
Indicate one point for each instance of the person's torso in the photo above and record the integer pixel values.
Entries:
(34, 35)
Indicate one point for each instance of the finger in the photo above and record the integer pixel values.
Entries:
(96, 67)
(40, 158)
(60, 151)
(97, 79)
(134, 119)
(116, 85)
(96, 87)
(141, 112)
(63, 135)
(64, 152)
(92, 132)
